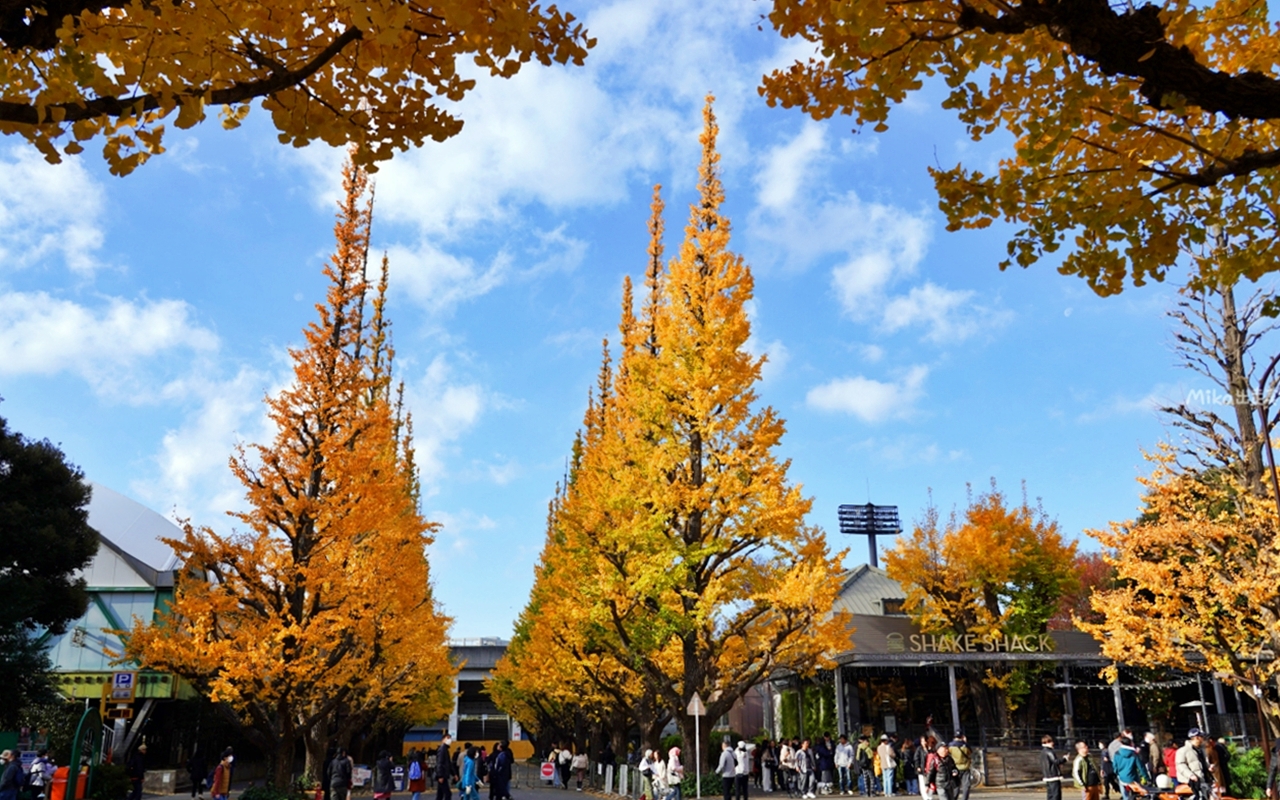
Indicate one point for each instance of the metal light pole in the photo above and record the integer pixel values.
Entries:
(869, 520)
(696, 709)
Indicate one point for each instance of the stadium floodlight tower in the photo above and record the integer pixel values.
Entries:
(869, 521)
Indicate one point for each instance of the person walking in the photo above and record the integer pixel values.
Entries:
(1051, 767)
(843, 759)
(1191, 766)
(675, 773)
(1129, 768)
(824, 763)
(444, 770)
(417, 774)
(10, 775)
(136, 769)
(340, 775)
(198, 772)
(727, 768)
(805, 766)
(1085, 773)
(923, 752)
(220, 786)
(502, 764)
(1108, 772)
(384, 782)
(660, 790)
(865, 759)
(1273, 774)
(1152, 757)
(787, 766)
(768, 766)
(42, 770)
(742, 773)
(565, 765)
(907, 766)
(888, 763)
(963, 758)
(646, 775)
(943, 775)
(580, 763)
(469, 777)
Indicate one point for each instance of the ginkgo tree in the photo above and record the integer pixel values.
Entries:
(319, 610)
(994, 570)
(1141, 131)
(1198, 586)
(382, 75)
(693, 566)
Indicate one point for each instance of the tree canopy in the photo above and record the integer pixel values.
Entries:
(320, 611)
(44, 522)
(44, 519)
(1142, 132)
(997, 570)
(1199, 581)
(372, 73)
(678, 559)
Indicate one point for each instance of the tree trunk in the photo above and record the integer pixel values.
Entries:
(1242, 400)
(282, 763)
(317, 743)
(688, 751)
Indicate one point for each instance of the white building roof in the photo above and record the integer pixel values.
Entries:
(132, 528)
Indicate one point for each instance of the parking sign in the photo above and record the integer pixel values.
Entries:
(123, 686)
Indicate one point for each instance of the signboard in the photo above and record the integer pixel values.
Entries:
(696, 708)
(516, 733)
(120, 712)
(548, 771)
(123, 687)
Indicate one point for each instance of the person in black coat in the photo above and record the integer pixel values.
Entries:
(198, 771)
(444, 770)
(340, 774)
(500, 774)
(1050, 766)
(383, 781)
(135, 768)
(944, 776)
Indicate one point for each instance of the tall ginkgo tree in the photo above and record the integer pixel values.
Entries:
(318, 606)
(694, 568)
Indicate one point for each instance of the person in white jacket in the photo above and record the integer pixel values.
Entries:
(1192, 766)
(742, 774)
(844, 765)
(727, 769)
(675, 773)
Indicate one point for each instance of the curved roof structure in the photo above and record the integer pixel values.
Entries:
(132, 527)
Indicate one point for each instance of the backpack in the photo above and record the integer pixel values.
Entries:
(864, 757)
(961, 756)
(415, 771)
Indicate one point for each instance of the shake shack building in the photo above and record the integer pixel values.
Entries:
(895, 678)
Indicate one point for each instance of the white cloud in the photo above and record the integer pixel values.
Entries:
(44, 335)
(48, 210)
(787, 167)
(871, 353)
(439, 281)
(442, 412)
(878, 246)
(193, 478)
(868, 399)
(948, 315)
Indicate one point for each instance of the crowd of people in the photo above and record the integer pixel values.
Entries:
(1202, 763)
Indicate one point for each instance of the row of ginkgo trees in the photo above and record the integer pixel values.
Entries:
(315, 618)
(677, 559)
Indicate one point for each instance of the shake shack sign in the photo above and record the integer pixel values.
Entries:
(969, 643)
(883, 637)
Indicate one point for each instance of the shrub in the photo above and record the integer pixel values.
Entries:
(267, 792)
(110, 783)
(711, 785)
(671, 741)
(1248, 772)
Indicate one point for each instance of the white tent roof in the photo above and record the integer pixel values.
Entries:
(132, 527)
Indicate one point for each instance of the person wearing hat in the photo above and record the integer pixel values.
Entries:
(888, 763)
(742, 773)
(136, 769)
(1191, 765)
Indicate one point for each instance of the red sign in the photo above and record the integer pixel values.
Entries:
(548, 770)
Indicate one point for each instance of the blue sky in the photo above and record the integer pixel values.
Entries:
(143, 319)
